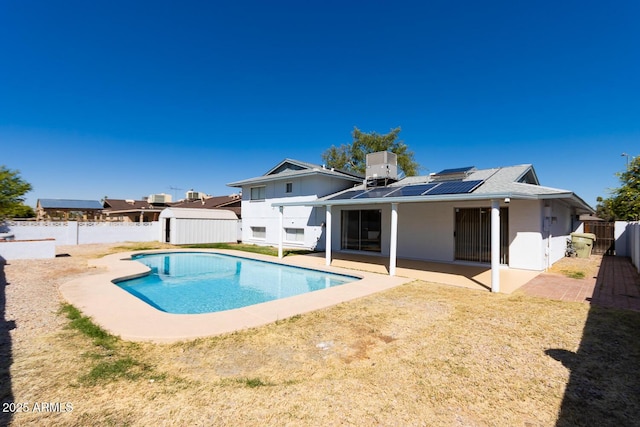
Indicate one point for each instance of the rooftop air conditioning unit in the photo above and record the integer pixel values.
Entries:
(194, 195)
(382, 166)
(159, 198)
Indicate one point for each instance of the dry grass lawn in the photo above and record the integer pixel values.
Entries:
(420, 354)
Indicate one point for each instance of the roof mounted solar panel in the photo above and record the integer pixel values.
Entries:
(347, 195)
(456, 170)
(412, 190)
(376, 193)
(454, 187)
(457, 174)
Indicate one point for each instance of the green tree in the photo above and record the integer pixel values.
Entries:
(352, 157)
(12, 190)
(624, 202)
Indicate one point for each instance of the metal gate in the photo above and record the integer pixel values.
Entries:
(605, 236)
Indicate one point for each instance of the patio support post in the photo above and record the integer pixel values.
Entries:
(495, 245)
(327, 237)
(393, 244)
(280, 230)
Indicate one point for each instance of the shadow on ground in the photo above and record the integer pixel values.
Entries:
(6, 358)
(604, 384)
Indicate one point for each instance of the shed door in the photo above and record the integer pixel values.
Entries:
(473, 235)
(167, 230)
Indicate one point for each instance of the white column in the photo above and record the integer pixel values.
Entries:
(327, 237)
(393, 239)
(280, 230)
(495, 246)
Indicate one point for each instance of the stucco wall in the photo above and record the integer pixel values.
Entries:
(426, 231)
(27, 249)
(260, 213)
(526, 246)
(78, 233)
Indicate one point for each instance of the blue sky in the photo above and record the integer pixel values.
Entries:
(129, 98)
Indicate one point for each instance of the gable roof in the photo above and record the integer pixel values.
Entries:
(231, 203)
(81, 205)
(514, 182)
(122, 205)
(289, 168)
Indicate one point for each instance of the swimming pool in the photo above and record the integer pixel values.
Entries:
(194, 283)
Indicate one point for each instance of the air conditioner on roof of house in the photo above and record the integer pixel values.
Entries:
(382, 166)
(194, 195)
(159, 198)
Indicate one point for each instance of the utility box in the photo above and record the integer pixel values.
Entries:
(583, 243)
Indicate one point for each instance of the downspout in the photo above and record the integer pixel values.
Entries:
(547, 228)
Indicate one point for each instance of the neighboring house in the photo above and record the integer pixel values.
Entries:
(65, 209)
(133, 210)
(232, 203)
(500, 216)
(289, 181)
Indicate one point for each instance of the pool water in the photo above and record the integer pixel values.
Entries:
(192, 283)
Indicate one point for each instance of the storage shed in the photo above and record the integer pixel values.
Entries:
(182, 226)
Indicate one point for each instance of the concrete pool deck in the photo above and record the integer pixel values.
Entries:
(130, 318)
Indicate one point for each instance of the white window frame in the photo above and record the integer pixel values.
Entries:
(258, 232)
(288, 187)
(259, 194)
(292, 234)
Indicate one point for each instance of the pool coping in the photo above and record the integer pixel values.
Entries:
(132, 319)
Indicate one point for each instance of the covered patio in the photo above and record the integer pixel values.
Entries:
(469, 276)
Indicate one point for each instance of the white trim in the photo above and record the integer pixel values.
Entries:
(328, 232)
(495, 245)
(393, 240)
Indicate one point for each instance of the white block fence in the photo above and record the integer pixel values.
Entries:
(80, 233)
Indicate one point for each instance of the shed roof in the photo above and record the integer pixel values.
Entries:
(191, 213)
(83, 205)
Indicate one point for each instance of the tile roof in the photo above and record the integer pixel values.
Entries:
(119, 205)
(231, 203)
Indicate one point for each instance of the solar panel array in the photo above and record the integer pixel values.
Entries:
(431, 189)
(455, 170)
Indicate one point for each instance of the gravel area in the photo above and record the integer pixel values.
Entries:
(31, 291)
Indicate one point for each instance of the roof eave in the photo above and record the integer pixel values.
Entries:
(442, 198)
(283, 177)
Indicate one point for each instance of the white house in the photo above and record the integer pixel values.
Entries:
(290, 181)
(500, 216)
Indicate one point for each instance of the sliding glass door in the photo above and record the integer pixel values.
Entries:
(361, 230)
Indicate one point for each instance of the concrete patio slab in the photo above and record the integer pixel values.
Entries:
(476, 276)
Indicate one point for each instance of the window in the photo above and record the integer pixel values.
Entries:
(259, 232)
(361, 230)
(289, 187)
(258, 193)
(294, 234)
